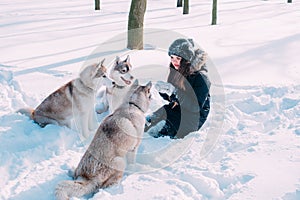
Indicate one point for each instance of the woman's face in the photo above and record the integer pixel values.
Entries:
(175, 60)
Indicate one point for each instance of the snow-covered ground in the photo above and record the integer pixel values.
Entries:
(248, 149)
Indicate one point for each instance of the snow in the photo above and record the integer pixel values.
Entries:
(248, 149)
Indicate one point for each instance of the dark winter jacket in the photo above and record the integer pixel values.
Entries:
(193, 102)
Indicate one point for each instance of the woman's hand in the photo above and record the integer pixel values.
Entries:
(174, 104)
(172, 99)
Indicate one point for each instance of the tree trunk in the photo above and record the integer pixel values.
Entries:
(97, 4)
(179, 3)
(136, 24)
(214, 13)
(289, 1)
(186, 7)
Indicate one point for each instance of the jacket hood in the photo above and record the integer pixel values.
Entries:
(198, 62)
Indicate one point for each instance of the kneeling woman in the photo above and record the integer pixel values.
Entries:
(189, 104)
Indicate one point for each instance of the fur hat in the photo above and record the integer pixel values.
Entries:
(183, 48)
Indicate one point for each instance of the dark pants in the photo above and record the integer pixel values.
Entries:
(178, 124)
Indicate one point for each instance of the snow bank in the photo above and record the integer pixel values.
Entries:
(33, 159)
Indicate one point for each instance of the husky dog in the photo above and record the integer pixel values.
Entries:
(74, 100)
(113, 147)
(114, 96)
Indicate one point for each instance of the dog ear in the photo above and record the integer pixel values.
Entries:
(148, 85)
(101, 63)
(127, 59)
(135, 83)
(117, 60)
(100, 69)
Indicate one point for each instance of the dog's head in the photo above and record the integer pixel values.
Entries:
(141, 96)
(93, 74)
(121, 72)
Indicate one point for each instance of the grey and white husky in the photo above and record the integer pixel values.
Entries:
(113, 147)
(114, 96)
(73, 103)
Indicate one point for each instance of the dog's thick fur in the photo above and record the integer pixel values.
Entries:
(114, 96)
(113, 147)
(73, 101)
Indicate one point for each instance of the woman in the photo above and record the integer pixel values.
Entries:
(189, 105)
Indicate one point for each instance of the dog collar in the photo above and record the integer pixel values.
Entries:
(131, 103)
(86, 86)
(118, 86)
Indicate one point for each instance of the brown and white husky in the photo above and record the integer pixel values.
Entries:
(113, 147)
(73, 103)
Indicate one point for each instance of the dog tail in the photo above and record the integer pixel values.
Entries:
(67, 189)
(26, 111)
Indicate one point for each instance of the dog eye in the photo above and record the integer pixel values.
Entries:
(125, 69)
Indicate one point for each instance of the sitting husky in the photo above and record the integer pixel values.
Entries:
(74, 100)
(114, 96)
(114, 145)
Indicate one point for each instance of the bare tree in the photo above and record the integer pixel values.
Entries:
(214, 13)
(136, 24)
(186, 7)
(179, 3)
(97, 4)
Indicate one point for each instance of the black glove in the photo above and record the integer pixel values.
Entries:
(165, 96)
(173, 98)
